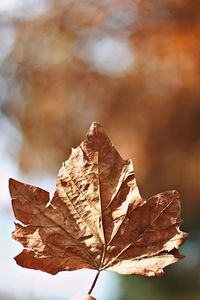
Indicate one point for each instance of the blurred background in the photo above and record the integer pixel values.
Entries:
(133, 66)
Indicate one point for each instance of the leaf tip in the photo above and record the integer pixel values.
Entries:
(12, 184)
(11, 181)
(95, 128)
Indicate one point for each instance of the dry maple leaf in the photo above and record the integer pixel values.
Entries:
(97, 218)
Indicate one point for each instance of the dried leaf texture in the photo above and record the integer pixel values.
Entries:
(97, 218)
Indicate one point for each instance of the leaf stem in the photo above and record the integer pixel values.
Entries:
(94, 282)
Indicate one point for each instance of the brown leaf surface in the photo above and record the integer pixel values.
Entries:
(97, 218)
